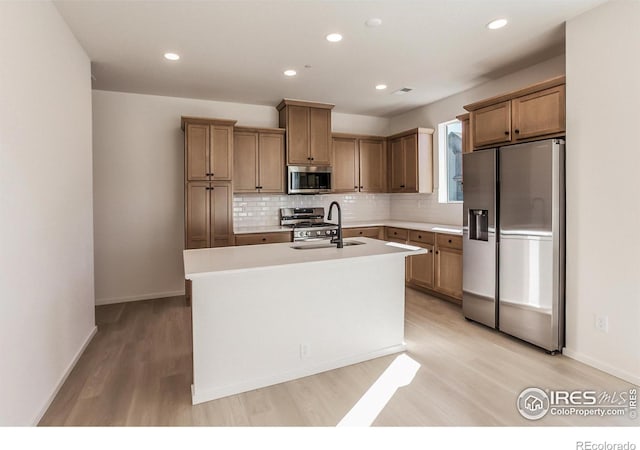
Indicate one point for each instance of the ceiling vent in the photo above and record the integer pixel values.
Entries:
(403, 91)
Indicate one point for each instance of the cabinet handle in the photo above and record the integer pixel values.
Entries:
(449, 241)
(419, 236)
(361, 187)
(436, 252)
(395, 232)
(361, 232)
(402, 185)
(506, 133)
(355, 187)
(517, 131)
(264, 239)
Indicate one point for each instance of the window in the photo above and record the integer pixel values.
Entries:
(450, 161)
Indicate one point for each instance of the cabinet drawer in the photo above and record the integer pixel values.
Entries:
(263, 238)
(449, 241)
(426, 237)
(397, 233)
(370, 232)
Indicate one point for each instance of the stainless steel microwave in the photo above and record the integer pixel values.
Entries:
(308, 179)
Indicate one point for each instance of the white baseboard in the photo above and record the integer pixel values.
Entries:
(600, 365)
(135, 298)
(66, 373)
(212, 393)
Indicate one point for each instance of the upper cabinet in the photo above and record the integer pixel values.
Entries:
(308, 132)
(411, 161)
(467, 145)
(258, 160)
(208, 149)
(533, 112)
(359, 163)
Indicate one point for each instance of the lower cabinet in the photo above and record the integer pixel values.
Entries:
(264, 238)
(421, 267)
(438, 271)
(448, 273)
(208, 214)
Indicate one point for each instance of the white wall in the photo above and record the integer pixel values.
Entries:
(425, 207)
(139, 191)
(603, 194)
(46, 256)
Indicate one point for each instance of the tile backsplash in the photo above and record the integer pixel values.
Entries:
(255, 210)
(425, 208)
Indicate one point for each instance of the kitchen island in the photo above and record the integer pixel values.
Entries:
(266, 314)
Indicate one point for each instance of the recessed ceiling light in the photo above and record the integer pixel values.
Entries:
(172, 56)
(380, 87)
(334, 37)
(290, 73)
(498, 23)
(373, 22)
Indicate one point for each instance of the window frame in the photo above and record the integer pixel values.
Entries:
(443, 180)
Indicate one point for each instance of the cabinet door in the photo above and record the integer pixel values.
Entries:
(372, 166)
(410, 148)
(467, 146)
(345, 165)
(298, 135)
(397, 165)
(263, 238)
(491, 124)
(221, 215)
(245, 161)
(449, 272)
(198, 217)
(539, 114)
(421, 266)
(221, 152)
(197, 154)
(271, 163)
(320, 136)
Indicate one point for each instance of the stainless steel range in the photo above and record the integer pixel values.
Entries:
(308, 224)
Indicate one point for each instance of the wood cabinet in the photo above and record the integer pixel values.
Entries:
(439, 271)
(208, 149)
(208, 215)
(208, 170)
(264, 238)
(448, 265)
(359, 163)
(258, 160)
(370, 232)
(467, 145)
(411, 161)
(421, 267)
(308, 132)
(535, 112)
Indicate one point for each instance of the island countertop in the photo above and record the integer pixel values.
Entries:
(202, 262)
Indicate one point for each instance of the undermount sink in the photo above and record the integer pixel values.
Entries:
(324, 245)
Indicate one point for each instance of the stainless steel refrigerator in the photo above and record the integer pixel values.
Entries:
(513, 240)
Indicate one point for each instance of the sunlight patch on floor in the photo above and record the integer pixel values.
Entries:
(399, 373)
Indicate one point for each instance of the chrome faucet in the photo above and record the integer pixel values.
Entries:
(338, 238)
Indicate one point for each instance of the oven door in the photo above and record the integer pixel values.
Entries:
(308, 180)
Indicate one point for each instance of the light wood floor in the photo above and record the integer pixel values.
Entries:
(137, 371)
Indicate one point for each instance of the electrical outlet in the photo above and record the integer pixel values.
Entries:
(304, 351)
(602, 323)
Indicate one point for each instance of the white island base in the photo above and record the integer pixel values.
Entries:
(267, 314)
